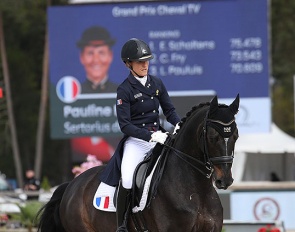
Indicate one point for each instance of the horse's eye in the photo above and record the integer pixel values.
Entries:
(212, 135)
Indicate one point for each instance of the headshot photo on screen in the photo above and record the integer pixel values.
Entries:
(96, 57)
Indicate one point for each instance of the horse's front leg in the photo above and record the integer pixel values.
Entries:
(212, 224)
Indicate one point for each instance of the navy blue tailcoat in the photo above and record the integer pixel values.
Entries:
(138, 116)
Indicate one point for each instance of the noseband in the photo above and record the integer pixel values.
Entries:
(207, 167)
(218, 159)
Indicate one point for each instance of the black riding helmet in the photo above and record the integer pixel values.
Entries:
(136, 50)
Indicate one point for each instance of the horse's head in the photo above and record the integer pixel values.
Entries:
(220, 135)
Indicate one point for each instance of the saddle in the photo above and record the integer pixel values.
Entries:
(158, 156)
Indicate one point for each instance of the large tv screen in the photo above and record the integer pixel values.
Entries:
(201, 49)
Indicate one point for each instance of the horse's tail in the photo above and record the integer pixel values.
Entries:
(49, 213)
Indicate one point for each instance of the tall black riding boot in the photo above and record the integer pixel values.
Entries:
(123, 201)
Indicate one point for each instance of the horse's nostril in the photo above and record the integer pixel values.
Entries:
(219, 184)
(222, 184)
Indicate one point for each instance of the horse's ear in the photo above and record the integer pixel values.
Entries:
(234, 106)
(213, 105)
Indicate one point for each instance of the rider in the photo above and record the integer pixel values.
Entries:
(138, 100)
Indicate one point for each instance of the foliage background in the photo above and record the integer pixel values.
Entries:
(24, 23)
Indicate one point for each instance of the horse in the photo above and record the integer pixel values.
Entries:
(198, 161)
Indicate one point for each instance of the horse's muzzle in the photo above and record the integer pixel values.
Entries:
(222, 176)
(223, 184)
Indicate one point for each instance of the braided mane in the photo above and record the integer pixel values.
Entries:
(188, 114)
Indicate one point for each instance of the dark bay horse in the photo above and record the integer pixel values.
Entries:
(186, 200)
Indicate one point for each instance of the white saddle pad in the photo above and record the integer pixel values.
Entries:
(104, 196)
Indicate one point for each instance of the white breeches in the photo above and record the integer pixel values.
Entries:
(134, 152)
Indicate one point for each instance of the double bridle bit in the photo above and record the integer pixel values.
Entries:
(207, 167)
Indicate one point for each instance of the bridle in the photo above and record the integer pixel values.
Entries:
(206, 167)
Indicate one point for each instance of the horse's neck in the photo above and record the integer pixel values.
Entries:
(189, 141)
(184, 175)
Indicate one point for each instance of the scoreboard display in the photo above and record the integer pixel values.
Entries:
(201, 49)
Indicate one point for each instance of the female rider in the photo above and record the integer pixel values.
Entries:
(138, 100)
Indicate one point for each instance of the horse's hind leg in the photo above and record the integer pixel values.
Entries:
(49, 213)
(77, 221)
(85, 218)
(103, 221)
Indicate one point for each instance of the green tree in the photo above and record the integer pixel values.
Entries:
(24, 24)
(283, 59)
(10, 111)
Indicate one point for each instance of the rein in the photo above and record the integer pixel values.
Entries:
(207, 167)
